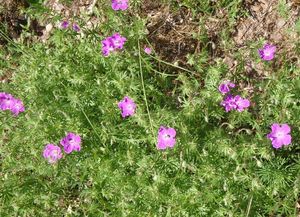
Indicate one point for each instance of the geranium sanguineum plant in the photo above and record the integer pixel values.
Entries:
(267, 52)
(52, 153)
(119, 5)
(71, 143)
(127, 107)
(280, 135)
(166, 138)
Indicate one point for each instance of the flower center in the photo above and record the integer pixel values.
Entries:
(279, 135)
(71, 141)
(267, 52)
(54, 153)
(129, 107)
(166, 136)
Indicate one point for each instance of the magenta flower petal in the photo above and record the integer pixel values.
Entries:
(235, 103)
(223, 88)
(276, 143)
(161, 145)
(287, 140)
(172, 132)
(107, 46)
(275, 127)
(285, 128)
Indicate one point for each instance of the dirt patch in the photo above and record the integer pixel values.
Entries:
(76, 8)
(272, 21)
(268, 19)
(73, 12)
(170, 33)
(11, 18)
(214, 26)
(6, 77)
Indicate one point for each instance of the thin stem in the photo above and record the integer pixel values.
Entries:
(170, 64)
(249, 206)
(143, 85)
(165, 74)
(87, 118)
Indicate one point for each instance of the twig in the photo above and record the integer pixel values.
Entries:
(154, 70)
(143, 85)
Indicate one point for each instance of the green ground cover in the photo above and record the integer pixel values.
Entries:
(222, 163)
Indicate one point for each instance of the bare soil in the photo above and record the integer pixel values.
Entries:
(172, 34)
(11, 18)
(266, 22)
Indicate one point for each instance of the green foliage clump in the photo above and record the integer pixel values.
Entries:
(221, 165)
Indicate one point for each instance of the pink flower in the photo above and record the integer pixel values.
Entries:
(64, 24)
(119, 5)
(111, 43)
(229, 103)
(71, 143)
(52, 153)
(166, 138)
(127, 107)
(267, 52)
(8, 102)
(107, 46)
(118, 40)
(235, 103)
(225, 87)
(280, 135)
(148, 50)
(241, 104)
(76, 27)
